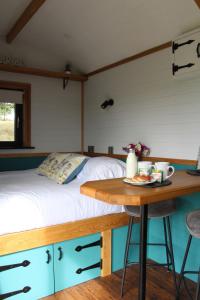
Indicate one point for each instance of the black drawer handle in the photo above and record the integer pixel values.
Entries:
(97, 265)
(175, 67)
(175, 45)
(25, 263)
(60, 253)
(97, 243)
(48, 256)
(198, 50)
(26, 289)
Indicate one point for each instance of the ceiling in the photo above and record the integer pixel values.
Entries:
(91, 33)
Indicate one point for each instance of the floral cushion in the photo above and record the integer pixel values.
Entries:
(50, 162)
(62, 167)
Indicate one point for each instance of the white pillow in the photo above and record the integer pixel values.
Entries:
(102, 167)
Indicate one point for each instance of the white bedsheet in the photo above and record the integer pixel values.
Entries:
(29, 201)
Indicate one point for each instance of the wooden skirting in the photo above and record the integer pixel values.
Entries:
(29, 239)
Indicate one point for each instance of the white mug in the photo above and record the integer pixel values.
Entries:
(145, 167)
(165, 168)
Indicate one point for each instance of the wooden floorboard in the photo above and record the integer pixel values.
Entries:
(159, 287)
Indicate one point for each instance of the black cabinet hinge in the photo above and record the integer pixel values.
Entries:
(175, 45)
(93, 244)
(26, 289)
(94, 266)
(175, 67)
(25, 263)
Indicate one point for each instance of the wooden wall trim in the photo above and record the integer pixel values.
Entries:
(82, 116)
(29, 154)
(25, 154)
(130, 58)
(25, 17)
(197, 3)
(188, 162)
(42, 73)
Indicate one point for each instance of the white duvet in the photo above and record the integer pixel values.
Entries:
(29, 201)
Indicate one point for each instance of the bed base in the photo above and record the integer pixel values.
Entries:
(20, 241)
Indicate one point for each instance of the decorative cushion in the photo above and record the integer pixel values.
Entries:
(50, 163)
(102, 167)
(62, 167)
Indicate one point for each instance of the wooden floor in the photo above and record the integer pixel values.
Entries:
(159, 287)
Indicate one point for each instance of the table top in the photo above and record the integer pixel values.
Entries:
(115, 191)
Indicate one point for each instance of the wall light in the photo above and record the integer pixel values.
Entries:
(68, 71)
(107, 103)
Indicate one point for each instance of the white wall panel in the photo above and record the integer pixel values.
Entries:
(55, 113)
(150, 106)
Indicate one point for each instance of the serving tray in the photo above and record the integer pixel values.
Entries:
(148, 184)
(193, 172)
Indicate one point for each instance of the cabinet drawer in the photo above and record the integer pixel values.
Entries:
(27, 275)
(69, 264)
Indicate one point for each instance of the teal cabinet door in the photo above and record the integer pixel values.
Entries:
(68, 263)
(27, 275)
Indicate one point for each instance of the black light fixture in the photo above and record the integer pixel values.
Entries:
(68, 71)
(107, 103)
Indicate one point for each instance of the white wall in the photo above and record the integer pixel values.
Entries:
(55, 113)
(150, 106)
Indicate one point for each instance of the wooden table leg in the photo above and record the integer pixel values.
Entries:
(143, 251)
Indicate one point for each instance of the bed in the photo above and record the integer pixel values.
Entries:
(35, 211)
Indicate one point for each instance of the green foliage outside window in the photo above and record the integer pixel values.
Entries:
(5, 110)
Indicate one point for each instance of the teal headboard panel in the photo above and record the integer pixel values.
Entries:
(20, 163)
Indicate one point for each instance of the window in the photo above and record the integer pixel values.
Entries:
(14, 115)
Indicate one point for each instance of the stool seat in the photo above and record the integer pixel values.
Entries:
(155, 210)
(193, 223)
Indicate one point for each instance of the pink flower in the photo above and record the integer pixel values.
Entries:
(140, 149)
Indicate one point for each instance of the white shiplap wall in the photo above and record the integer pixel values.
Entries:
(55, 113)
(150, 106)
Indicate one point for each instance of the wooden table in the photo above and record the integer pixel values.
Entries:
(115, 191)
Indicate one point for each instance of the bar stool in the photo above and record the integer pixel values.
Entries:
(193, 226)
(158, 210)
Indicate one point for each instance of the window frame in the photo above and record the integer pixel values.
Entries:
(26, 89)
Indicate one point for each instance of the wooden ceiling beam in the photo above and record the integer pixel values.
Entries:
(40, 72)
(197, 3)
(25, 17)
(130, 58)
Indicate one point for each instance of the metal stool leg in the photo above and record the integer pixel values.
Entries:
(197, 297)
(166, 244)
(184, 263)
(171, 252)
(130, 226)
